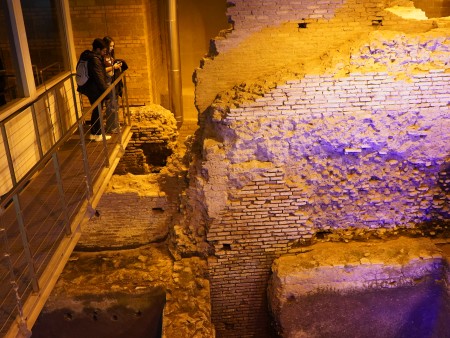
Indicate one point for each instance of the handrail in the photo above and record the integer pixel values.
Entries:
(40, 74)
(42, 214)
(21, 109)
(20, 184)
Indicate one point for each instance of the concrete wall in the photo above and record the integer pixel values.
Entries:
(341, 125)
(199, 22)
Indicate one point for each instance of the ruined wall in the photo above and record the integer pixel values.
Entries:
(300, 161)
(154, 138)
(266, 38)
(330, 289)
(118, 225)
(135, 210)
(342, 125)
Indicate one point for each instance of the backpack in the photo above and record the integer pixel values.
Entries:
(82, 72)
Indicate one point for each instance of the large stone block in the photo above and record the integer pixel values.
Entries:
(326, 290)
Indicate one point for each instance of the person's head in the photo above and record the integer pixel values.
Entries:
(99, 47)
(109, 42)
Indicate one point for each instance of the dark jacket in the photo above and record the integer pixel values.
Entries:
(117, 73)
(96, 84)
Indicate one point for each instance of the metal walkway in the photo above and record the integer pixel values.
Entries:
(42, 215)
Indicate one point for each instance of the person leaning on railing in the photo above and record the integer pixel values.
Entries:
(96, 83)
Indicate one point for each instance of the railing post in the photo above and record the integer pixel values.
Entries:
(25, 243)
(8, 154)
(75, 102)
(87, 171)
(49, 116)
(125, 93)
(36, 131)
(116, 117)
(23, 323)
(62, 195)
(62, 127)
(102, 127)
(115, 106)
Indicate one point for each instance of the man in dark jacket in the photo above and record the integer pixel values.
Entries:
(96, 83)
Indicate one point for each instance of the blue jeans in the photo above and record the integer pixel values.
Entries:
(112, 110)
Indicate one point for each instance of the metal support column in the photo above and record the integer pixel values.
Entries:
(175, 89)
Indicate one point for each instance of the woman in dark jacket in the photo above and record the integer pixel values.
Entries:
(111, 65)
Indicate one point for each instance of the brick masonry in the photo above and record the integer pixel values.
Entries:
(154, 138)
(341, 126)
(134, 210)
(266, 38)
(119, 226)
(135, 27)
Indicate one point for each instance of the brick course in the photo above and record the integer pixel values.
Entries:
(135, 28)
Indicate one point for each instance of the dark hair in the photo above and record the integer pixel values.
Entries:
(107, 41)
(98, 43)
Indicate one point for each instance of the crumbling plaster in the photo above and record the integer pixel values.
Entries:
(266, 44)
(375, 139)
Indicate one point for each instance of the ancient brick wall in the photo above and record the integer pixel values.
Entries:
(342, 125)
(135, 27)
(154, 137)
(301, 161)
(120, 226)
(135, 209)
(266, 38)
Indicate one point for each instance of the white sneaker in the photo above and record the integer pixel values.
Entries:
(98, 138)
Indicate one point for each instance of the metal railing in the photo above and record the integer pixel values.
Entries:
(52, 175)
(48, 72)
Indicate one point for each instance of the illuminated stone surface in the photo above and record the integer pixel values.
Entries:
(339, 126)
(338, 130)
(326, 290)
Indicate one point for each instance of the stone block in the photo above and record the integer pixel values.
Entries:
(323, 290)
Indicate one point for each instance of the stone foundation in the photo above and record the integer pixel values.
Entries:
(324, 289)
(153, 140)
(132, 212)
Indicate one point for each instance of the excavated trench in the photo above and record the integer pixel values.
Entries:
(429, 302)
(114, 315)
(122, 280)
